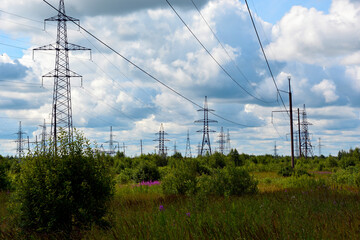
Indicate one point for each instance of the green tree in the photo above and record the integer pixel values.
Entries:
(235, 158)
(63, 190)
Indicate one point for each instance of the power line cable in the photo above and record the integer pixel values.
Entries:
(114, 108)
(13, 46)
(113, 80)
(222, 68)
(139, 68)
(267, 62)
(223, 47)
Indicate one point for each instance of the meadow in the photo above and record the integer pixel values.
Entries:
(284, 208)
(82, 194)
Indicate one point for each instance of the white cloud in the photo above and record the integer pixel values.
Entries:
(353, 72)
(153, 37)
(314, 37)
(327, 88)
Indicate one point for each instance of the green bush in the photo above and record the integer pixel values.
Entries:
(180, 179)
(304, 181)
(125, 176)
(227, 182)
(286, 171)
(4, 181)
(57, 192)
(350, 176)
(146, 171)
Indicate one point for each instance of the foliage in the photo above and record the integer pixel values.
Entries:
(5, 166)
(304, 181)
(227, 182)
(234, 157)
(181, 179)
(146, 171)
(349, 176)
(59, 191)
(286, 171)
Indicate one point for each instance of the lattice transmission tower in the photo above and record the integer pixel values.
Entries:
(61, 103)
(205, 146)
(111, 142)
(228, 142)
(162, 149)
(222, 141)
(43, 136)
(20, 142)
(275, 151)
(306, 147)
(188, 146)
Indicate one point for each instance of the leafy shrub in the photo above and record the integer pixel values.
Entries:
(227, 182)
(217, 160)
(304, 181)
(60, 191)
(300, 172)
(125, 176)
(234, 157)
(146, 171)
(4, 181)
(286, 171)
(331, 162)
(350, 176)
(180, 179)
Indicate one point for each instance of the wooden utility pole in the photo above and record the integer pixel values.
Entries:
(298, 111)
(291, 126)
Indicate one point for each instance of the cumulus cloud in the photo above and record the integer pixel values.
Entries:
(326, 88)
(149, 34)
(314, 37)
(12, 70)
(81, 8)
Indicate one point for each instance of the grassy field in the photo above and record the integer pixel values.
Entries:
(283, 209)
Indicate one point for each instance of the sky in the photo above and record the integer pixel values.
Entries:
(316, 42)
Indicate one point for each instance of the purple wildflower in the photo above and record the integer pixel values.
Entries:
(188, 214)
(161, 208)
(148, 183)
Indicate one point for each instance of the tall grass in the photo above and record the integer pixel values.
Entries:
(277, 212)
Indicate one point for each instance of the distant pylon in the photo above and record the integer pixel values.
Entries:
(320, 145)
(297, 154)
(123, 148)
(162, 150)
(275, 151)
(141, 147)
(199, 149)
(188, 146)
(205, 146)
(175, 148)
(20, 142)
(111, 142)
(221, 141)
(306, 147)
(61, 104)
(43, 136)
(228, 143)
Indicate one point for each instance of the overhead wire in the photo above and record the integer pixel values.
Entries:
(138, 67)
(212, 56)
(117, 68)
(263, 51)
(223, 47)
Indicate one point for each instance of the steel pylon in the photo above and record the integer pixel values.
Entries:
(61, 104)
(205, 146)
(162, 149)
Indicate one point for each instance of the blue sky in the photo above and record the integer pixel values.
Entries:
(316, 42)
